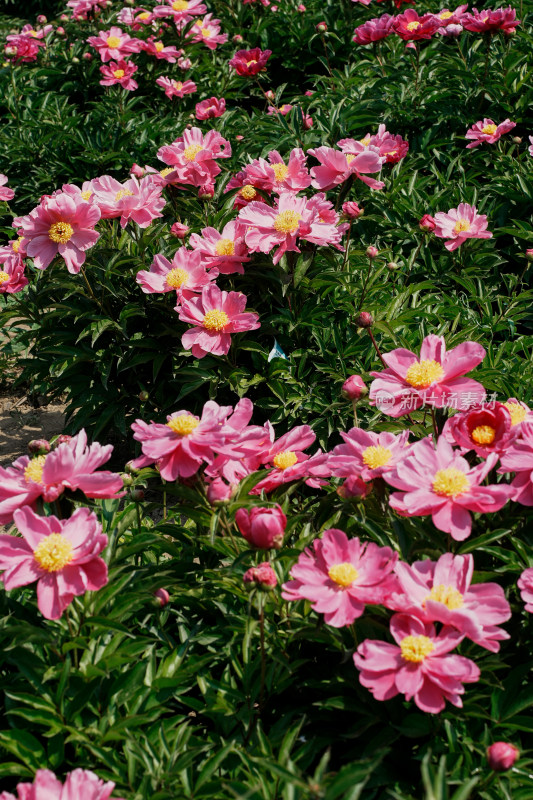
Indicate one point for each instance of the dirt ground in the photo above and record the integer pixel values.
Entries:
(20, 422)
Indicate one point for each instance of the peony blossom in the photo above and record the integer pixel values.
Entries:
(23, 49)
(518, 458)
(175, 88)
(441, 591)
(6, 194)
(485, 429)
(488, 131)
(207, 31)
(78, 784)
(368, 455)
(339, 576)
(263, 575)
(434, 379)
(250, 62)
(119, 72)
(193, 156)
(243, 446)
(160, 51)
(275, 175)
(62, 224)
(290, 463)
(215, 316)
(61, 555)
(185, 274)
(135, 200)
(114, 45)
(226, 251)
(262, 527)
(411, 27)
(525, 584)
(460, 224)
(12, 278)
(336, 166)
(373, 30)
(489, 21)
(212, 107)
(418, 666)
(180, 10)
(440, 482)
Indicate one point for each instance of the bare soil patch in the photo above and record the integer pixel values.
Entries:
(20, 422)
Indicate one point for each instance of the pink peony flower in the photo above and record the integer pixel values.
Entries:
(225, 251)
(488, 21)
(411, 27)
(440, 482)
(290, 463)
(207, 32)
(501, 756)
(485, 429)
(23, 49)
(62, 224)
(488, 131)
(180, 10)
(181, 445)
(434, 379)
(262, 527)
(185, 274)
(340, 575)
(12, 278)
(525, 584)
(368, 455)
(275, 175)
(460, 224)
(354, 487)
(520, 412)
(418, 666)
(71, 466)
(210, 108)
(61, 555)
(119, 72)
(193, 156)
(337, 166)
(132, 201)
(215, 316)
(448, 17)
(174, 88)
(6, 194)
(441, 591)
(160, 51)
(218, 492)
(250, 62)
(243, 446)
(114, 45)
(519, 458)
(79, 783)
(263, 575)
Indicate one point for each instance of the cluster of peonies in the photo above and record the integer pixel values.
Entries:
(62, 555)
(24, 47)
(411, 27)
(80, 783)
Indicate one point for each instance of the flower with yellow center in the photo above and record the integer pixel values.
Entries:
(413, 26)
(350, 157)
(252, 61)
(178, 85)
(123, 193)
(445, 15)
(166, 171)
(215, 320)
(287, 221)
(343, 574)
(447, 595)
(489, 129)
(461, 226)
(60, 232)
(53, 552)
(376, 456)
(225, 247)
(119, 73)
(280, 171)
(177, 277)
(184, 425)
(15, 244)
(192, 151)
(248, 192)
(518, 412)
(285, 459)
(483, 434)
(450, 482)
(34, 470)
(416, 648)
(206, 33)
(86, 195)
(422, 374)
(4, 277)
(144, 15)
(113, 42)
(159, 46)
(180, 5)
(365, 142)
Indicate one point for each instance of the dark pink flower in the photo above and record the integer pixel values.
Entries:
(489, 21)
(250, 62)
(119, 72)
(263, 575)
(485, 429)
(411, 27)
(262, 527)
(374, 30)
(501, 756)
(114, 44)
(210, 108)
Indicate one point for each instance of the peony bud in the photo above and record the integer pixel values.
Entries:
(75, 60)
(529, 255)
(60, 31)
(63, 18)
(184, 63)
(63, 438)
(263, 575)
(137, 495)
(237, 38)
(136, 170)
(162, 597)
(302, 8)
(270, 95)
(144, 396)
(127, 480)
(392, 265)
(87, 56)
(273, 8)
(206, 192)
(364, 320)
(218, 492)
(179, 230)
(427, 223)
(309, 93)
(410, 46)
(351, 210)
(239, 137)
(501, 756)
(517, 140)
(322, 27)
(354, 488)
(372, 251)
(262, 527)
(354, 388)
(39, 447)
(307, 122)
(41, 19)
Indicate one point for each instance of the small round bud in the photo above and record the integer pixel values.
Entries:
(322, 27)
(270, 95)
(179, 230)
(137, 495)
(501, 756)
(351, 210)
(354, 488)
(75, 60)
(39, 447)
(364, 320)
(427, 223)
(87, 56)
(529, 254)
(218, 492)
(63, 18)
(237, 38)
(392, 265)
(410, 46)
(354, 388)
(263, 576)
(143, 396)
(517, 140)
(301, 8)
(372, 251)
(206, 192)
(239, 137)
(130, 468)
(60, 31)
(162, 597)
(136, 170)
(41, 19)
(127, 480)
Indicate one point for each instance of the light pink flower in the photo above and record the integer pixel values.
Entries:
(160, 51)
(441, 591)
(390, 146)
(448, 17)
(207, 31)
(61, 555)
(525, 584)
(434, 379)
(484, 429)
(215, 316)
(419, 666)
(193, 156)
(243, 446)
(440, 482)
(6, 194)
(290, 463)
(277, 176)
(185, 274)
(132, 201)
(119, 72)
(340, 576)
(181, 445)
(180, 10)
(367, 454)
(62, 225)
(212, 107)
(488, 131)
(12, 278)
(79, 784)
(519, 458)
(174, 88)
(114, 45)
(336, 166)
(227, 251)
(460, 224)
(81, 8)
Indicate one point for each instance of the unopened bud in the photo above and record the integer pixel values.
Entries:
(162, 597)
(63, 438)
(41, 19)
(501, 756)
(351, 210)
(262, 576)
(179, 230)
(237, 38)
(529, 255)
(127, 480)
(60, 31)
(39, 447)
(143, 396)
(392, 265)
(364, 320)
(427, 223)
(322, 27)
(88, 56)
(75, 60)
(301, 8)
(517, 140)
(372, 251)
(270, 95)
(354, 388)
(137, 495)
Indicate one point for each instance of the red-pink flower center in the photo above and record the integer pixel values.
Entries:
(483, 434)
(343, 574)
(53, 552)
(215, 320)
(422, 374)
(450, 482)
(60, 232)
(416, 648)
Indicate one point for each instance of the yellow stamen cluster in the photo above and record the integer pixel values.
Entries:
(113, 42)
(285, 459)
(119, 73)
(483, 434)
(53, 552)
(251, 61)
(34, 470)
(225, 247)
(490, 129)
(192, 151)
(180, 5)
(416, 648)
(60, 232)
(144, 15)
(365, 142)
(215, 320)
(4, 277)
(376, 456)
(248, 192)
(422, 374)
(184, 424)
(413, 26)
(447, 595)
(86, 195)
(123, 193)
(206, 34)
(178, 85)
(343, 574)
(15, 244)
(166, 171)
(350, 157)
(461, 226)
(177, 277)
(450, 482)
(287, 221)
(518, 412)
(445, 15)
(280, 171)
(159, 46)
